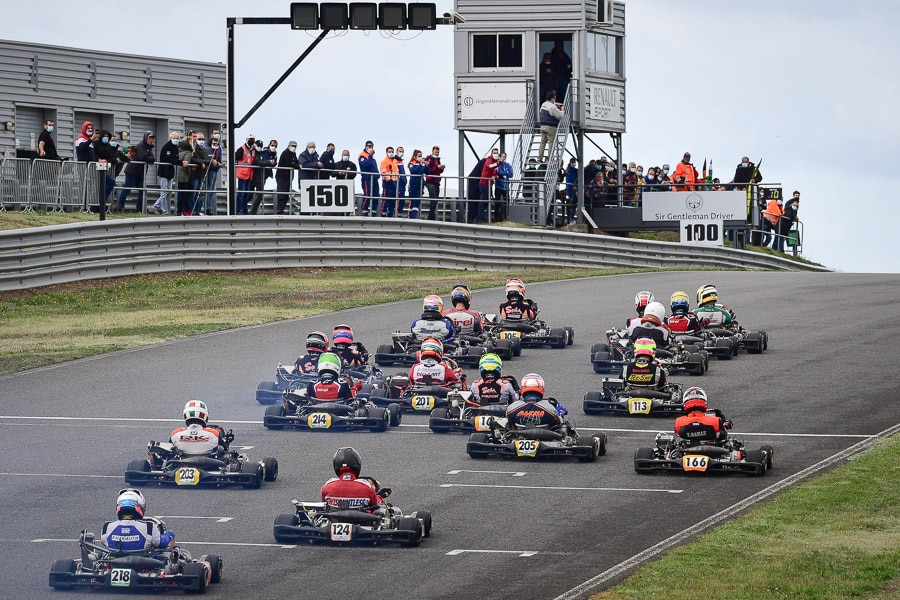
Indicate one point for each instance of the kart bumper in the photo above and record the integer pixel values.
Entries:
(289, 534)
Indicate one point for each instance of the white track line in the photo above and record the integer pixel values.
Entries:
(552, 487)
(180, 543)
(518, 552)
(62, 475)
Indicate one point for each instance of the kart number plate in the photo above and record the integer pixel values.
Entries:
(341, 532)
(527, 448)
(694, 462)
(422, 402)
(638, 406)
(505, 335)
(483, 422)
(318, 421)
(120, 577)
(187, 476)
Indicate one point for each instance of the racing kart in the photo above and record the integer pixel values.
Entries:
(532, 334)
(288, 378)
(404, 347)
(754, 342)
(319, 522)
(416, 397)
(612, 356)
(298, 411)
(167, 465)
(532, 430)
(100, 567)
(463, 414)
(673, 453)
(614, 398)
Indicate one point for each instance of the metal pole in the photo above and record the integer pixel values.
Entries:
(101, 188)
(231, 134)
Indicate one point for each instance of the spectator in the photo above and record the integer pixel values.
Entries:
(501, 187)
(745, 173)
(267, 159)
(212, 175)
(664, 180)
(596, 190)
(572, 187)
(473, 192)
(122, 158)
(106, 154)
(401, 179)
(685, 175)
(590, 171)
(327, 160)
(641, 182)
(244, 157)
(717, 185)
(787, 221)
(284, 174)
(84, 143)
(46, 145)
(199, 158)
(417, 171)
(134, 172)
(368, 166)
(488, 175)
(546, 77)
(651, 183)
(183, 175)
(550, 115)
(562, 68)
(389, 174)
(165, 172)
(435, 170)
(772, 219)
(529, 178)
(345, 169)
(629, 181)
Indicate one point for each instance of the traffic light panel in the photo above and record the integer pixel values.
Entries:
(304, 15)
(363, 15)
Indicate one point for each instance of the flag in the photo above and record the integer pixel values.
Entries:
(704, 169)
(709, 177)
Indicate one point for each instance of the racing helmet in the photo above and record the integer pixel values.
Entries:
(641, 300)
(514, 288)
(490, 366)
(654, 313)
(432, 304)
(694, 399)
(347, 458)
(644, 347)
(680, 302)
(329, 362)
(462, 294)
(130, 502)
(316, 342)
(707, 293)
(432, 348)
(532, 384)
(342, 334)
(195, 411)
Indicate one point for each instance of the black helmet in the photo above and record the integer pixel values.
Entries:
(347, 458)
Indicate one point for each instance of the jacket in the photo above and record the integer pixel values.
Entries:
(244, 157)
(389, 168)
(504, 173)
(286, 162)
(689, 173)
(550, 114)
(144, 155)
(185, 155)
(84, 148)
(327, 160)
(773, 212)
(168, 158)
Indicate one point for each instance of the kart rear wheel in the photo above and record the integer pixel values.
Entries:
(593, 444)
(381, 353)
(439, 413)
(757, 456)
(414, 525)
(201, 572)
(270, 464)
(770, 456)
(216, 566)
(642, 454)
(268, 388)
(571, 335)
(425, 516)
(560, 335)
(381, 415)
(504, 349)
(517, 347)
(273, 411)
(478, 438)
(138, 464)
(64, 565)
(591, 397)
(289, 520)
(765, 340)
(394, 414)
(725, 343)
(256, 482)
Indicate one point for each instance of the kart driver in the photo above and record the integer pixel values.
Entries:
(532, 392)
(641, 300)
(316, 344)
(347, 488)
(431, 355)
(432, 324)
(682, 320)
(353, 354)
(330, 386)
(493, 388)
(465, 321)
(195, 438)
(652, 327)
(643, 371)
(130, 532)
(709, 313)
(698, 426)
(517, 307)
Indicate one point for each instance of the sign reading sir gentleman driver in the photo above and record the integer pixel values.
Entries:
(700, 213)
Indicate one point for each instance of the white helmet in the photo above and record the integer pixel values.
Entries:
(195, 410)
(130, 502)
(655, 313)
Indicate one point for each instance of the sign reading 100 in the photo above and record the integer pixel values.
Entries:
(327, 196)
(706, 231)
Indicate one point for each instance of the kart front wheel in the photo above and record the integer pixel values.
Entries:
(381, 417)
(66, 566)
(216, 566)
(394, 414)
(270, 464)
(642, 454)
(201, 572)
(592, 444)
(570, 332)
(425, 517)
(414, 525)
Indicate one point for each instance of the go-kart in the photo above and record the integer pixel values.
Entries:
(615, 398)
(754, 342)
(101, 567)
(298, 411)
(167, 465)
(462, 413)
(286, 378)
(532, 334)
(612, 356)
(415, 397)
(316, 522)
(718, 343)
(404, 347)
(673, 453)
(532, 430)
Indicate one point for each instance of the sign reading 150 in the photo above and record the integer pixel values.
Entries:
(327, 196)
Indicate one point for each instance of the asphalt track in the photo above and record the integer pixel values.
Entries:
(505, 529)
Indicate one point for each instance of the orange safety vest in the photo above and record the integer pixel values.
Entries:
(388, 166)
(773, 212)
(246, 173)
(689, 172)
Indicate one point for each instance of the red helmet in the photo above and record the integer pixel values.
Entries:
(432, 348)
(641, 300)
(694, 399)
(532, 384)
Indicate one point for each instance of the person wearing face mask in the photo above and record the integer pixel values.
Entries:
(651, 183)
(571, 179)
(327, 160)
(201, 159)
(244, 157)
(417, 172)
(771, 222)
(309, 163)
(402, 180)
(106, 154)
(344, 168)
(267, 158)
(368, 166)
(434, 170)
(549, 116)
(121, 158)
(745, 173)
(46, 145)
(84, 143)
(630, 181)
(685, 175)
(546, 76)
(136, 169)
(662, 175)
(389, 175)
(165, 171)
(501, 187)
(787, 222)
(183, 175)
(284, 174)
(486, 185)
(215, 155)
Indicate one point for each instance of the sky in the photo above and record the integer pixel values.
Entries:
(806, 87)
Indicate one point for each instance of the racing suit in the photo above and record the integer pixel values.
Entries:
(658, 333)
(196, 440)
(701, 427)
(433, 324)
(352, 355)
(441, 373)
(129, 535)
(714, 315)
(358, 493)
(683, 323)
(644, 374)
(309, 362)
(329, 389)
(519, 309)
(465, 321)
(493, 391)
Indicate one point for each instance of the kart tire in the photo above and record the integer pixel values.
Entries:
(770, 456)
(256, 483)
(216, 566)
(381, 415)
(725, 343)
(138, 464)
(517, 347)
(380, 352)
(560, 333)
(394, 414)
(765, 340)
(592, 397)
(290, 520)
(504, 349)
(571, 335)
(604, 440)
(273, 411)
(201, 572)
(753, 343)
(757, 456)
(439, 413)
(736, 346)
(270, 464)
(642, 454)
(599, 347)
(481, 438)
(267, 387)
(411, 524)
(591, 443)
(425, 516)
(63, 565)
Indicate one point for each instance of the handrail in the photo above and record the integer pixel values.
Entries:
(557, 149)
(523, 144)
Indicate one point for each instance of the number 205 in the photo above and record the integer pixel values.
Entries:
(700, 232)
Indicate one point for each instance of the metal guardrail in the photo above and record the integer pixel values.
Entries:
(50, 255)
